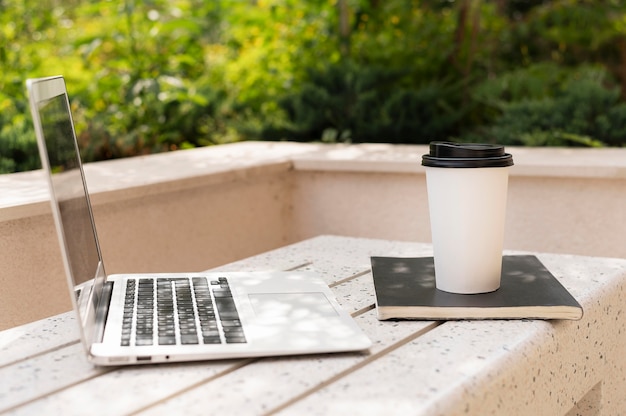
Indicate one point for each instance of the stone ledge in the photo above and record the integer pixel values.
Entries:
(603, 163)
(25, 194)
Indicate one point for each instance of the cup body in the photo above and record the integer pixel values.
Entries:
(467, 191)
(467, 214)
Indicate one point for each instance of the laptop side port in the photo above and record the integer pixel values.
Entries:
(118, 360)
(144, 358)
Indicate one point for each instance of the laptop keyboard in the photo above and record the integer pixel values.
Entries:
(184, 313)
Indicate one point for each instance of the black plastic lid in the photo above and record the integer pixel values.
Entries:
(466, 155)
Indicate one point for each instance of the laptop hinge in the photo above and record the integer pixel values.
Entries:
(102, 311)
(103, 292)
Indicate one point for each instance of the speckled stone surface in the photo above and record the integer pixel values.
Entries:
(413, 367)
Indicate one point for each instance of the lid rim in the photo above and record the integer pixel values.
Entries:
(466, 155)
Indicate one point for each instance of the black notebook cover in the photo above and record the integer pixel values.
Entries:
(405, 289)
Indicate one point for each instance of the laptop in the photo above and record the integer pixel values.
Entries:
(169, 317)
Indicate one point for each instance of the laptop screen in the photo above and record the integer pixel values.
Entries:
(70, 201)
(68, 188)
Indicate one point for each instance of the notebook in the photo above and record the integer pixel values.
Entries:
(166, 317)
(405, 289)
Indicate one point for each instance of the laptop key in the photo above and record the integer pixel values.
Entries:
(231, 323)
(167, 340)
(232, 329)
(209, 328)
(143, 341)
(212, 340)
(234, 335)
(226, 308)
(222, 293)
(236, 340)
(189, 339)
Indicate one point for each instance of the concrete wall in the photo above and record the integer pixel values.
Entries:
(560, 200)
(31, 272)
(390, 206)
(584, 216)
(193, 210)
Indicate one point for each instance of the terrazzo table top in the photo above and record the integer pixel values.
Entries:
(414, 367)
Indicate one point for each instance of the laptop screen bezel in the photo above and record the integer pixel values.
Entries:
(40, 92)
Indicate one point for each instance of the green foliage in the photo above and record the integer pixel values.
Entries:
(18, 149)
(582, 111)
(150, 76)
(153, 90)
(137, 74)
(347, 102)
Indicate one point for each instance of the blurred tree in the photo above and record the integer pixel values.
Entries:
(147, 76)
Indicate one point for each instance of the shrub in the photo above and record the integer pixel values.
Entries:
(346, 102)
(148, 76)
(582, 111)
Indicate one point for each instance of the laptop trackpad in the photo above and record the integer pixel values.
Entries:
(293, 306)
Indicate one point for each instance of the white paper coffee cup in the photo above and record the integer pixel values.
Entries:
(467, 192)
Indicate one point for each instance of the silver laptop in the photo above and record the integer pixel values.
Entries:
(148, 318)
